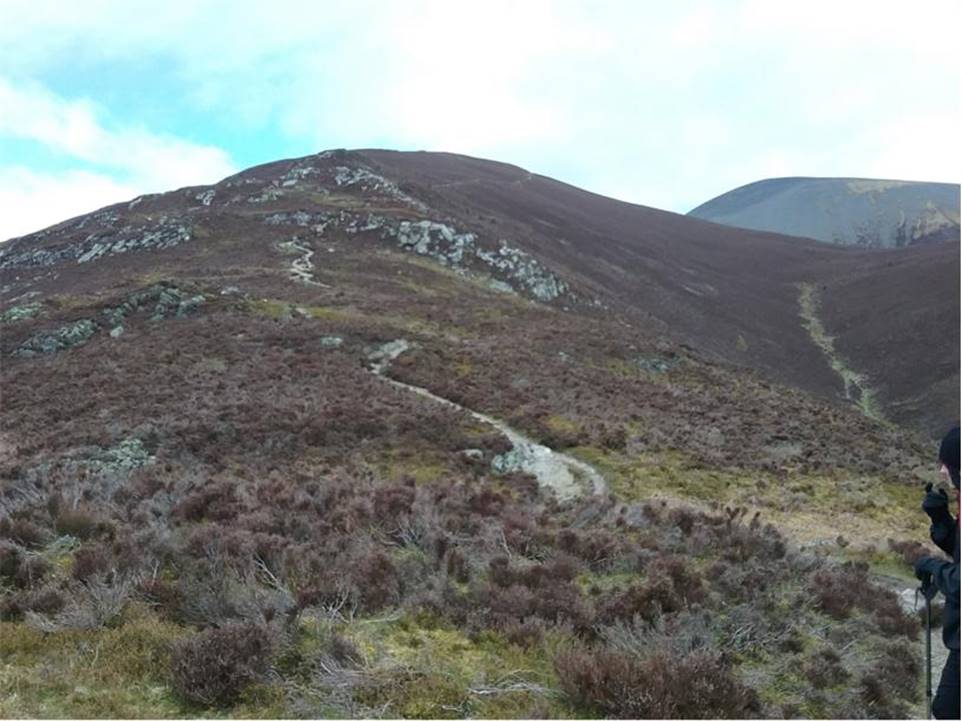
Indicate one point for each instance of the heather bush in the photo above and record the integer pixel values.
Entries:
(908, 551)
(81, 523)
(645, 601)
(32, 570)
(824, 669)
(837, 591)
(840, 590)
(46, 601)
(24, 532)
(90, 560)
(699, 684)
(376, 581)
(890, 683)
(213, 667)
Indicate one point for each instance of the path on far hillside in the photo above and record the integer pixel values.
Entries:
(568, 477)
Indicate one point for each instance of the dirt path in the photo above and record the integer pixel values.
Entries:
(302, 268)
(568, 477)
(857, 388)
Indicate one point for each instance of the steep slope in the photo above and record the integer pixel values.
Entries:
(422, 418)
(730, 292)
(843, 211)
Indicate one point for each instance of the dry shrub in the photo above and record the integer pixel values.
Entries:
(217, 502)
(699, 684)
(23, 532)
(25, 571)
(393, 500)
(376, 581)
(515, 595)
(215, 666)
(840, 590)
(647, 601)
(45, 601)
(81, 523)
(824, 669)
(90, 560)
(837, 590)
(671, 586)
(596, 547)
(908, 551)
(892, 682)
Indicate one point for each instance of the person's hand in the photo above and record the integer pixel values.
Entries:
(925, 567)
(936, 505)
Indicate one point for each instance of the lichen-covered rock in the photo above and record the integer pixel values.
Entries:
(266, 195)
(174, 303)
(168, 301)
(20, 312)
(500, 286)
(117, 331)
(524, 270)
(298, 173)
(206, 197)
(382, 356)
(437, 240)
(332, 341)
(165, 233)
(656, 365)
(129, 454)
(514, 269)
(68, 336)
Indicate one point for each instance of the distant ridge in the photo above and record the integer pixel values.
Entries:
(843, 211)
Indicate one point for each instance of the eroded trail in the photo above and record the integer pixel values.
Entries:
(857, 388)
(302, 268)
(568, 477)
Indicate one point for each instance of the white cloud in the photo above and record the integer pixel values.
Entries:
(110, 164)
(32, 200)
(670, 101)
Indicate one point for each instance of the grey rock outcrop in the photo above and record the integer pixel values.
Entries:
(513, 269)
(165, 300)
(67, 336)
(107, 241)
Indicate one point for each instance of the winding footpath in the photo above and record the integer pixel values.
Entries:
(302, 268)
(568, 477)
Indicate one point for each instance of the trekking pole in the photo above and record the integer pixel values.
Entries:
(928, 654)
(928, 590)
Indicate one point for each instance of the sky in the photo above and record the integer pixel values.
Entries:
(665, 104)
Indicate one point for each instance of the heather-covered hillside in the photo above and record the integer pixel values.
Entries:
(417, 435)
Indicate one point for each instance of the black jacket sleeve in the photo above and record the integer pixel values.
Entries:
(946, 579)
(943, 535)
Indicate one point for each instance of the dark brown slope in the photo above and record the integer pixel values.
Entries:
(733, 292)
(896, 315)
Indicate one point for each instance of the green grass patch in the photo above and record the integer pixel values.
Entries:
(441, 672)
(862, 507)
(119, 672)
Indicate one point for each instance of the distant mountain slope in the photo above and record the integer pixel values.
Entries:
(844, 211)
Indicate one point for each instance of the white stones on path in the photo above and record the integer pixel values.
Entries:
(567, 477)
(302, 268)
